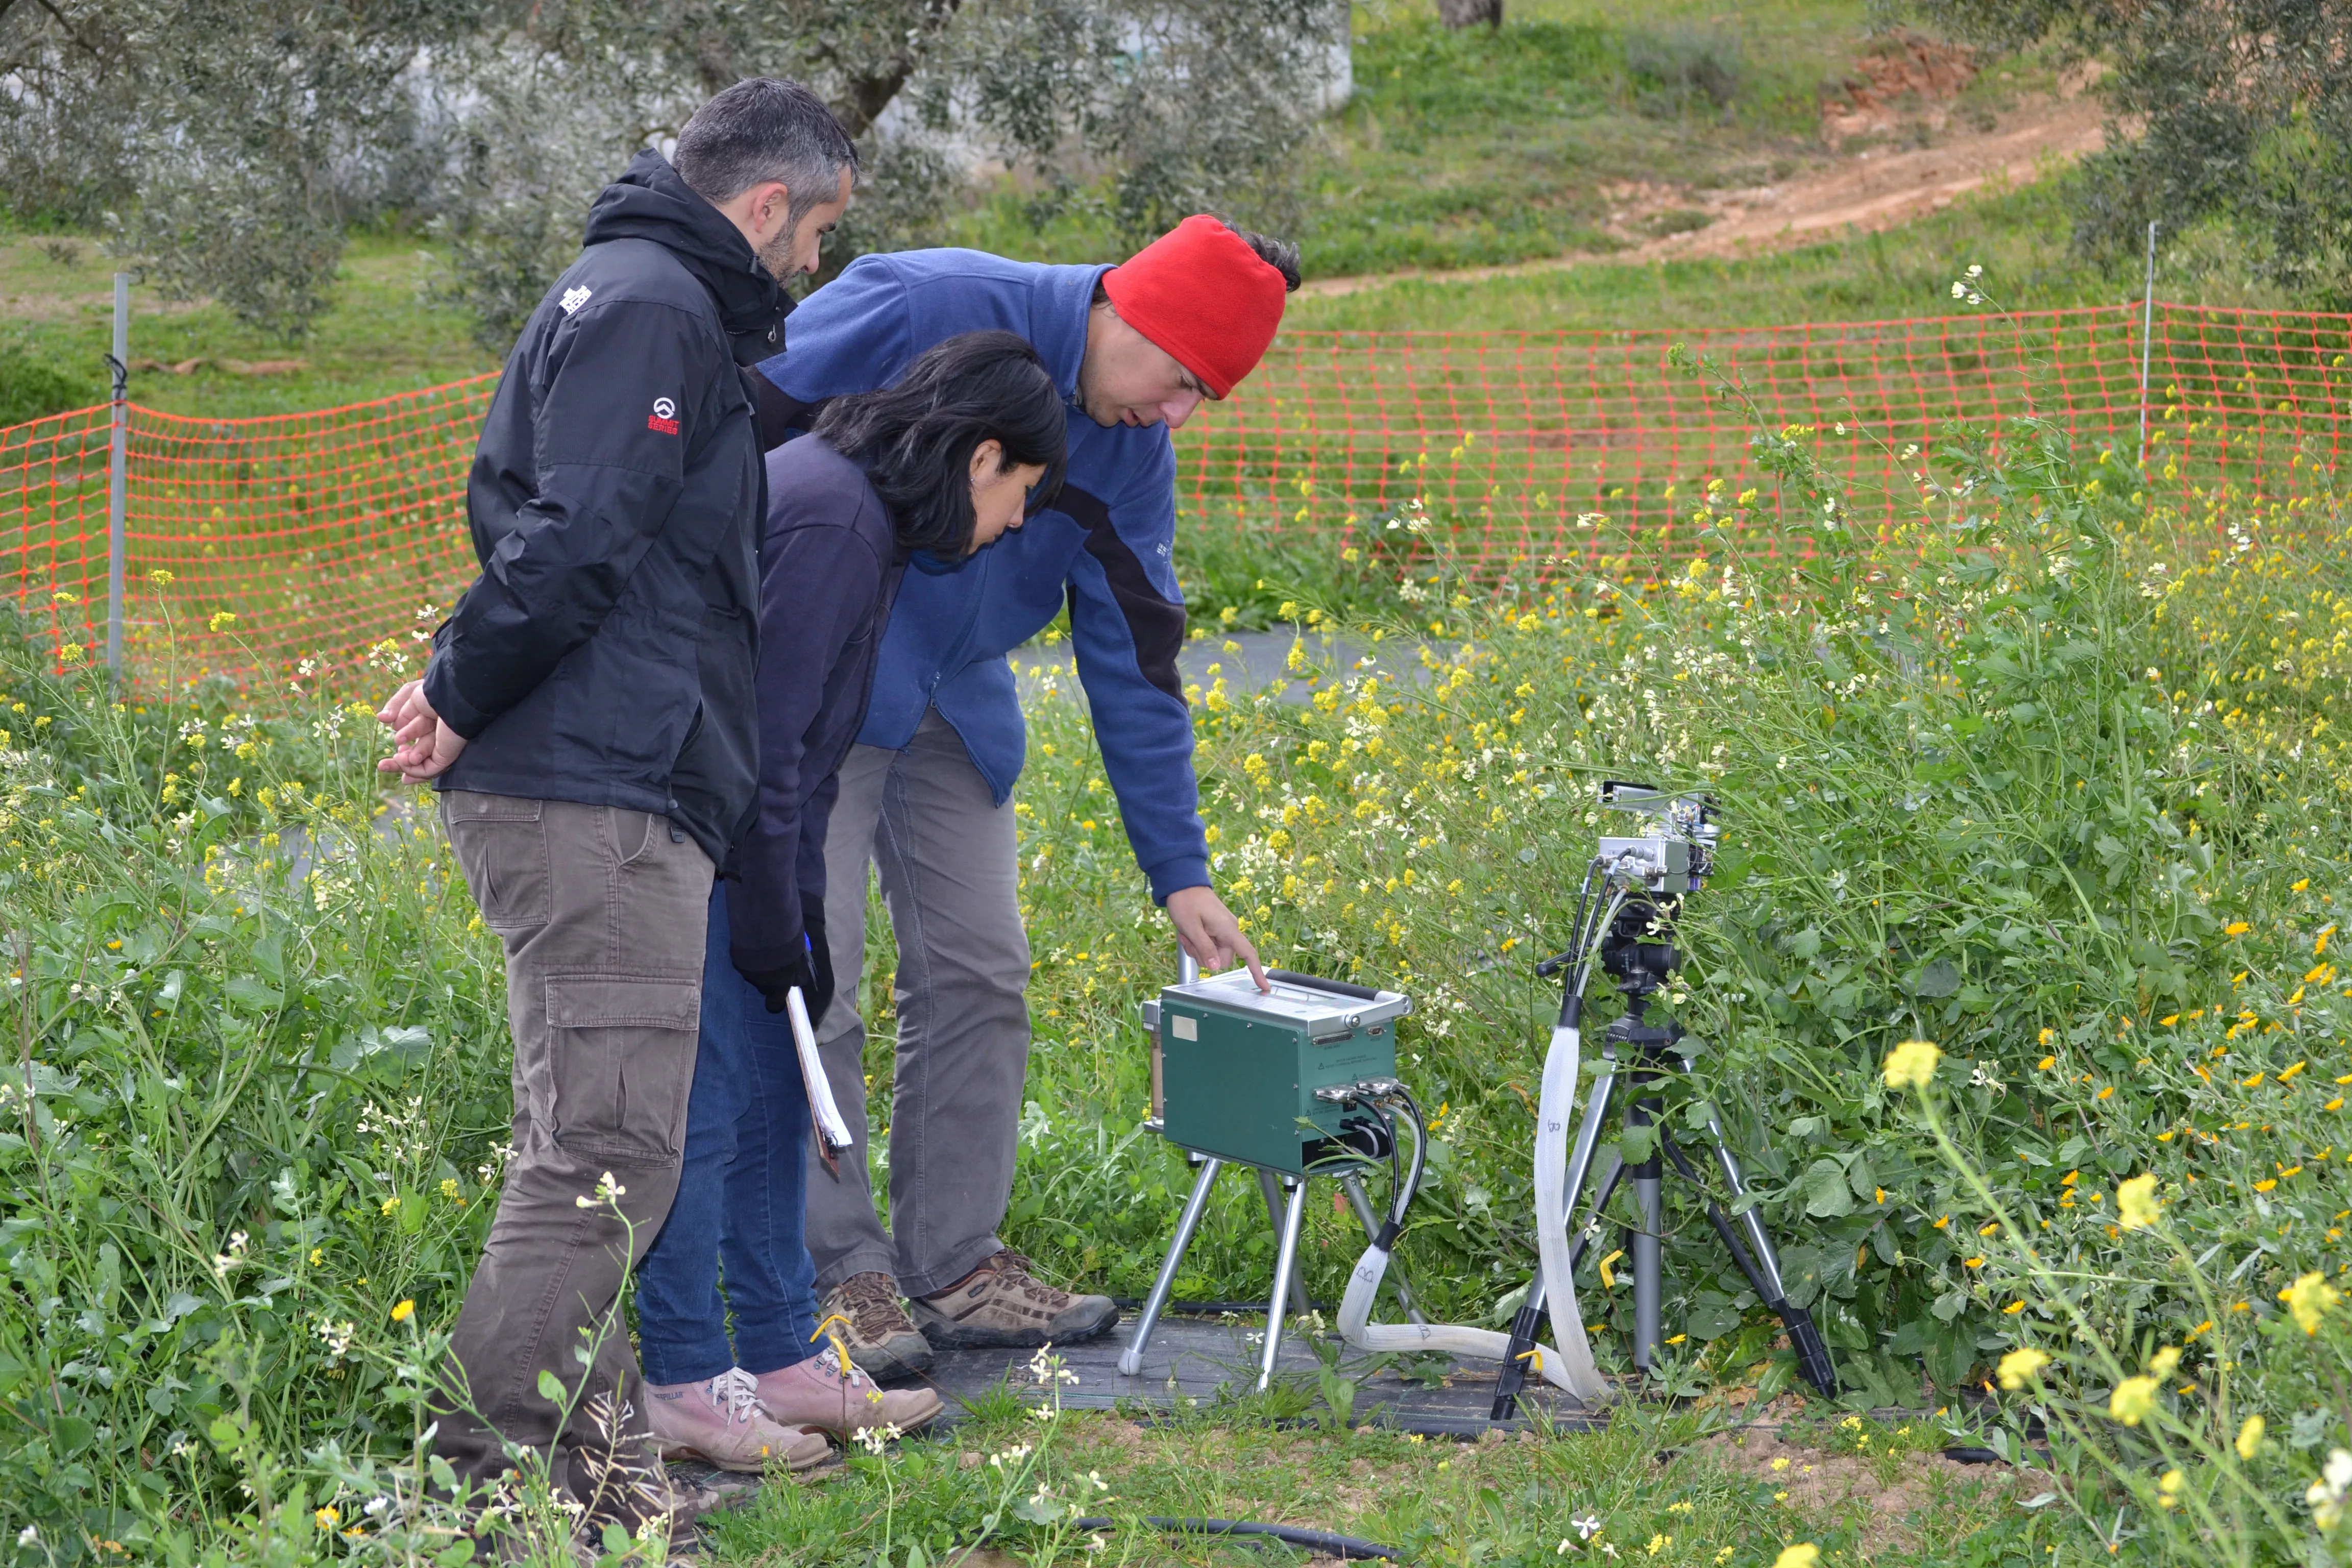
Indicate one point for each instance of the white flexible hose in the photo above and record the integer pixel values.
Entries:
(1461, 1338)
(1553, 1105)
(1572, 1368)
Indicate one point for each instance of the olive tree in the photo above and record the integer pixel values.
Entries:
(228, 144)
(2242, 111)
(1168, 106)
(225, 144)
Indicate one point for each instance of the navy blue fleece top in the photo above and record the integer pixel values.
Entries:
(829, 564)
(1104, 546)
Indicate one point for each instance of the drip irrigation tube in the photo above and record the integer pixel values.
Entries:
(1313, 1540)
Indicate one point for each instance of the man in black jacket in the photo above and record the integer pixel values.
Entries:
(588, 715)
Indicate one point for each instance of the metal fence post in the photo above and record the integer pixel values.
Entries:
(118, 474)
(2146, 340)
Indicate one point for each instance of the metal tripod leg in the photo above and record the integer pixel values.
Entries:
(1754, 1254)
(1648, 1255)
(1273, 1217)
(1804, 1335)
(1353, 1185)
(1286, 1274)
(1131, 1360)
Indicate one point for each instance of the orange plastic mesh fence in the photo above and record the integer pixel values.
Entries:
(253, 544)
(1502, 440)
(326, 534)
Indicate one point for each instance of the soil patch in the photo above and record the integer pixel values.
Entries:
(1872, 189)
(1909, 77)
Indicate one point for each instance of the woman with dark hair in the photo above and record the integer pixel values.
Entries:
(926, 472)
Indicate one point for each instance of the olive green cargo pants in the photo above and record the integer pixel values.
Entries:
(602, 912)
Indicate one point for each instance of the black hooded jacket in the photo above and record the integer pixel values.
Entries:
(605, 654)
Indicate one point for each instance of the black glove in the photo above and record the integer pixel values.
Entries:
(819, 993)
(775, 983)
(811, 969)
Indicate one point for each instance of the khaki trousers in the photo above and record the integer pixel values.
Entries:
(949, 864)
(603, 912)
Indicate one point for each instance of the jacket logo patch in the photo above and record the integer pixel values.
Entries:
(663, 417)
(574, 299)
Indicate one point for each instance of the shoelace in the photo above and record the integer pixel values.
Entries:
(861, 1295)
(737, 1392)
(831, 1361)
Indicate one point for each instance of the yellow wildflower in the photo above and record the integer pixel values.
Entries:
(2310, 1298)
(2022, 1366)
(2136, 1202)
(1912, 1065)
(2133, 1400)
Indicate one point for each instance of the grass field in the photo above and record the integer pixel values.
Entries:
(2040, 782)
(1479, 147)
(2052, 778)
(383, 335)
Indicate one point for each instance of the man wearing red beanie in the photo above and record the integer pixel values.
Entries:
(925, 795)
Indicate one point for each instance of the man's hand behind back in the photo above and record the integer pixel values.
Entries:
(1210, 934)
(422, 747)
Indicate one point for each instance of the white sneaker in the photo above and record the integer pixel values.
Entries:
(720, 1421)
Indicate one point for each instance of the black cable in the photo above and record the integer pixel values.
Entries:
(1212, 1308)
(1396, 1167)
(1313, 1540)
(1400, 1199)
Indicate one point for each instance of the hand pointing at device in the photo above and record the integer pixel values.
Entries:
(1210, 934)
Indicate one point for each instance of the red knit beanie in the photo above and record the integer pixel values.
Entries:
(1203, 294)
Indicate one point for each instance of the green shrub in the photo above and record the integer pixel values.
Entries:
(33, 389)
(254, 1099)
(1679, 68)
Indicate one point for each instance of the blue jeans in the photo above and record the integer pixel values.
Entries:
(740, 1193)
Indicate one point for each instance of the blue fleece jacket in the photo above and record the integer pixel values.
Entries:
(1104, 545)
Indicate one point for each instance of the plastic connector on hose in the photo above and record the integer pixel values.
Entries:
(1812, 1354)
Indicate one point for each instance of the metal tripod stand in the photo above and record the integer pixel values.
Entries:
(1637, 950)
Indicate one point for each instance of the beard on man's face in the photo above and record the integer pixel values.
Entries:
(775, 256)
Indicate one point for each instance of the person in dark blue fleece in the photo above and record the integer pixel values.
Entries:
(934, 469)
(925, 794)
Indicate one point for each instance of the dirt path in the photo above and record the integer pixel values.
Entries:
(1870, 190)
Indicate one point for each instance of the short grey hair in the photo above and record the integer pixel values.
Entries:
(763, 129)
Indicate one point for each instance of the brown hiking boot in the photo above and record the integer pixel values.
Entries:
(1001, 1303)
(881, 1339)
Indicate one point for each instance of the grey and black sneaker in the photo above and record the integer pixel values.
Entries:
(882, 1342)
(1001, 1303)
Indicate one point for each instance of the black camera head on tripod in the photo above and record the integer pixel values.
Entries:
(1638, 949)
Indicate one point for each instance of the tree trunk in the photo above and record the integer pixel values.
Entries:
(872, 85)
(1459, 14)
